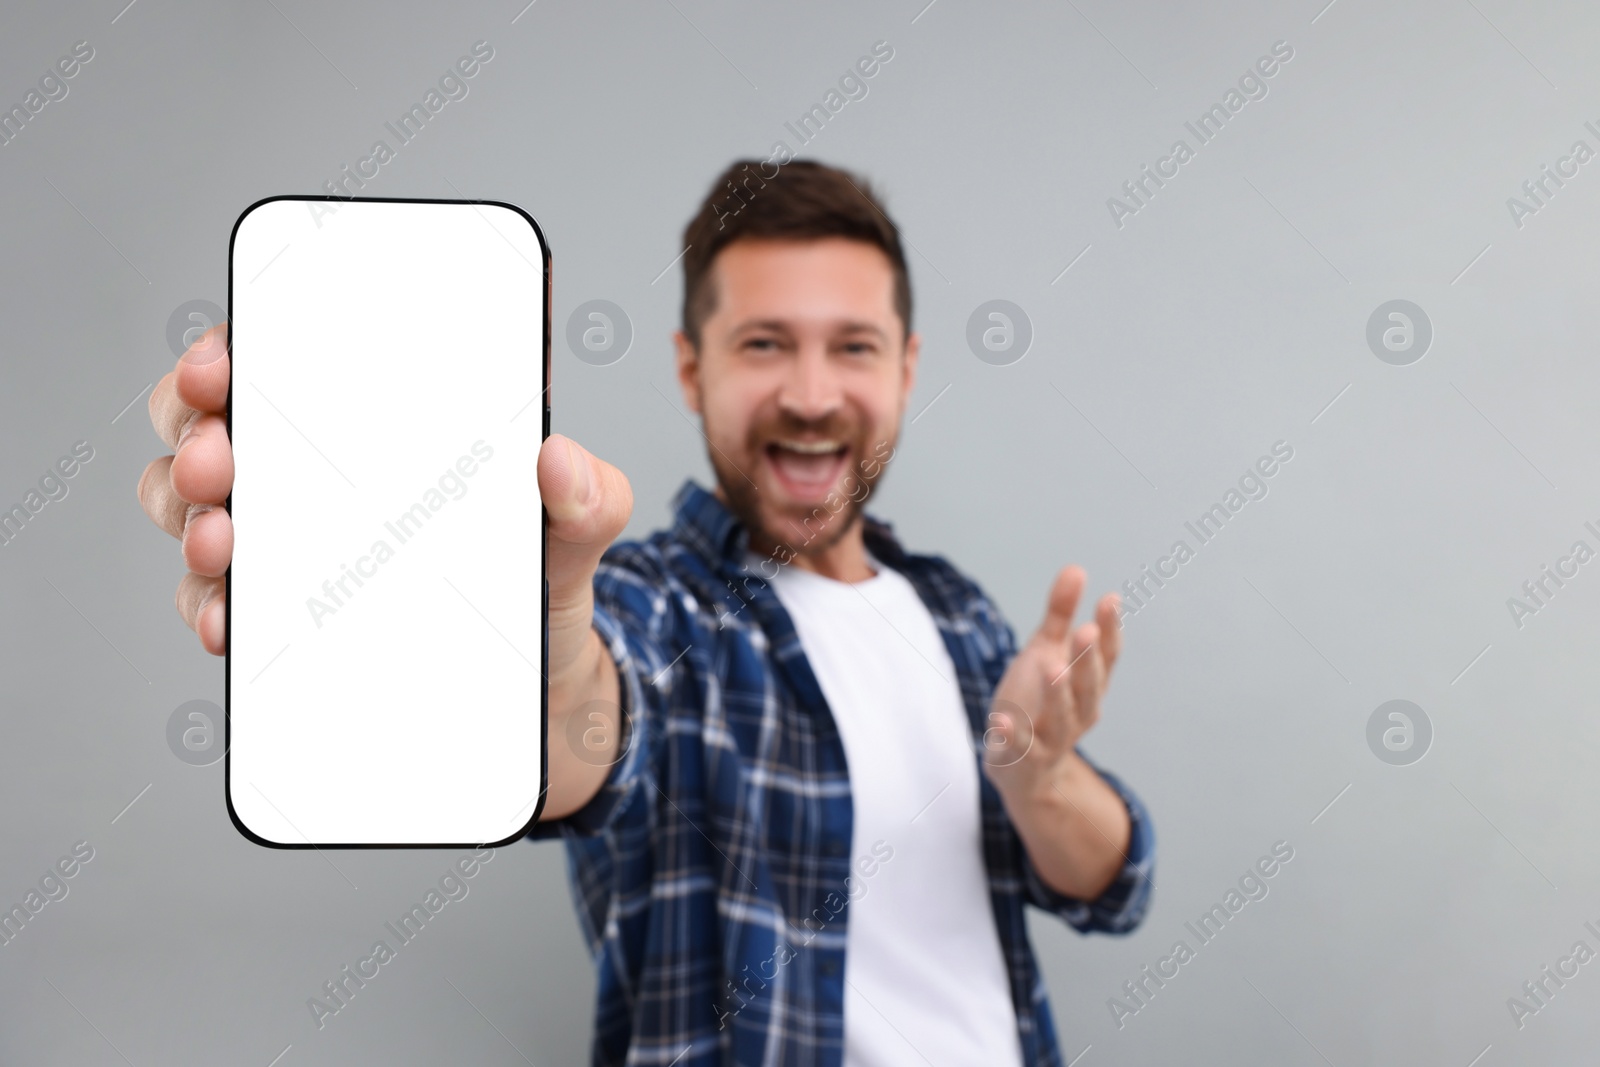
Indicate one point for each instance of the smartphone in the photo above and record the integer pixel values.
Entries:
(385, 662)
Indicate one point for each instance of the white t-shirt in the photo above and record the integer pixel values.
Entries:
(923, 963)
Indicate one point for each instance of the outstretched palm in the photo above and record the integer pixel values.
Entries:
(1050, 694)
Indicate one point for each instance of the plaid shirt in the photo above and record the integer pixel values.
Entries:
(709, 871)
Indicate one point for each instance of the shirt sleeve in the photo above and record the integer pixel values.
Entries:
(1122, 907)
(630, 613)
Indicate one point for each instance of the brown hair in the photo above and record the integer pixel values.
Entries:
(799, 200)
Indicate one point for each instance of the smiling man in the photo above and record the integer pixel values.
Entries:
(807, 780)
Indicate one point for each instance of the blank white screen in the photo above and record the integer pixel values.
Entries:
(387, 412)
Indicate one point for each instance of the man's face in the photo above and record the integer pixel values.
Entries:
(801, 379)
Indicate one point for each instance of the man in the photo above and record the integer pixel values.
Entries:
(806, 779)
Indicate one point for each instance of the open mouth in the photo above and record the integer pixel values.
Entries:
(807, 470)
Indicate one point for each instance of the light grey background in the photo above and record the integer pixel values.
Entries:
(1221, 318)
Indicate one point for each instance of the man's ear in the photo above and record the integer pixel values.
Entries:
(688, 371)
(913, 350)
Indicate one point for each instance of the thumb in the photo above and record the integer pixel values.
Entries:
(588, 502)
(1008, 734)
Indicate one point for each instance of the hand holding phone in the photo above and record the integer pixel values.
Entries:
(588, 501)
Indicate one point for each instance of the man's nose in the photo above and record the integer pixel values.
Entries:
(811, 391)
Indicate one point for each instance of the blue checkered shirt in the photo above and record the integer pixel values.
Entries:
(709, 871)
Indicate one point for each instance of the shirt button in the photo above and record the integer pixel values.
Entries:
(829, 967)
(835, 848)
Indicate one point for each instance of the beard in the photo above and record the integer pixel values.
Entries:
(799, 530)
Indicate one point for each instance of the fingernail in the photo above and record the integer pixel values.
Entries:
(216, 629)
(204, 624)
(216, 632)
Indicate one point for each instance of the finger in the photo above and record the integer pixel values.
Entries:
(168, 413)
(200, 604)
(208, 540)
(1061, 606)
(1110, 629)
(164, 506)
(202, 471)
(1087, 675)
(197, 386)
(203, 372)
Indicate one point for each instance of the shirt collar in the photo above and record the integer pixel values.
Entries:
(706, 525)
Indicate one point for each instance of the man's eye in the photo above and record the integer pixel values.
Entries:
(761, 344)
(859, 348)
